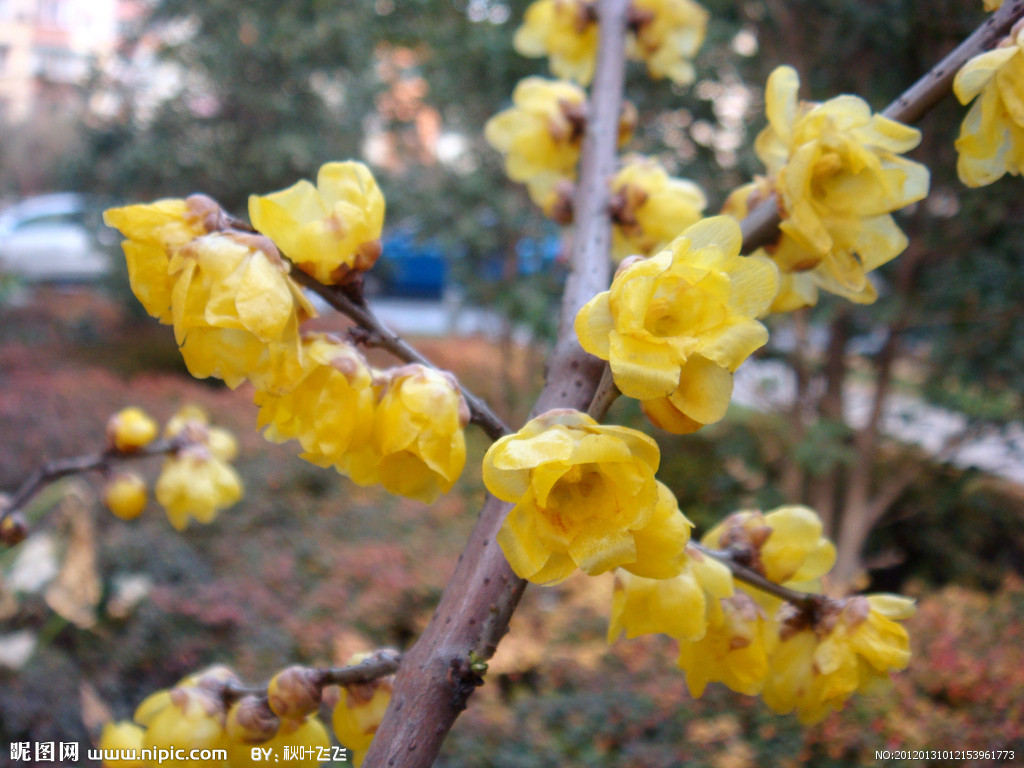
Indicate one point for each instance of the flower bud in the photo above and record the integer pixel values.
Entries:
(130, 430)
(251, 721)
(122, 736)
(294, 692)
(125, 495)
(13, 529)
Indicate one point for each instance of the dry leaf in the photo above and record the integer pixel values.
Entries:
(76, 591)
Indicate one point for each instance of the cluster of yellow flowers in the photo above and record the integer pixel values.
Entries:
(676, 326)
(809, 658)
(201, 716)
(402, 428)
(586, 497)
(838, 174)
(196, 480)
(541, 136)
(665, 34)
(237, 313)
(991, 141)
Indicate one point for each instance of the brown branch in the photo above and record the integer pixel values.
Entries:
(437, 676)
(807, 601)
(382, 336)
(761, 225)
(55, 470)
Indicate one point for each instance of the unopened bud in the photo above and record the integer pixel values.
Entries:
(13, 529)
(130, 430)
(125, 495)
(295, 692)
(251, 721)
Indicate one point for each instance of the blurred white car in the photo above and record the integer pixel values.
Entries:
(54, 238)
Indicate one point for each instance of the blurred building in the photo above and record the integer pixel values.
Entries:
(48, 48)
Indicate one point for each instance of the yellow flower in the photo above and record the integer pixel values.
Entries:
(417, 435)
(817, 667)
(155, 232)
(992, 5)
(675, 606)
(184, 719)
(786, 545)
(564, 30)
(125, 495)
(196, 482)
(736, 649)
(675, 326)
(991, 139)
(130, 429)
(585, 497)
(667, 35)
(541, 135)
(303, 740)
(331, 230)
(358, 713)
(331, 409)
(650, 208)
(236, 312)
(838, 173)
(126, 737)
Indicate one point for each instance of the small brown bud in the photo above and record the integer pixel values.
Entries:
(13, 529)
(251, 721)
(295, 692)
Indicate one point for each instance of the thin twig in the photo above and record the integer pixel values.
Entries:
(385, 338)
(803, 600)
(761, 225)
(382, 663)
(54, 470)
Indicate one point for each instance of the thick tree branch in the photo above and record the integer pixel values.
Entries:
(438, 675)
(761, 225)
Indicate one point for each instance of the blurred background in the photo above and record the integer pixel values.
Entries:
(901, 423)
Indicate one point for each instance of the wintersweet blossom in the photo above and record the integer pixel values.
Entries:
(359, 711)
(196, 481)
(837, 170)
(540, 136)
(566, 32)
(819, 665)
(676, 326)
(330, 410)
(303, 740)
(585, 497)
(124, 494)
(331, 230)
(131, 429)
(418, 434)
(155, 232)
(736, 650)
(784, 545)
(236, 312)
(650, 208)
(186, 716)
(122, 738)
(676, 606)
(991, 141)
(666, 36)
